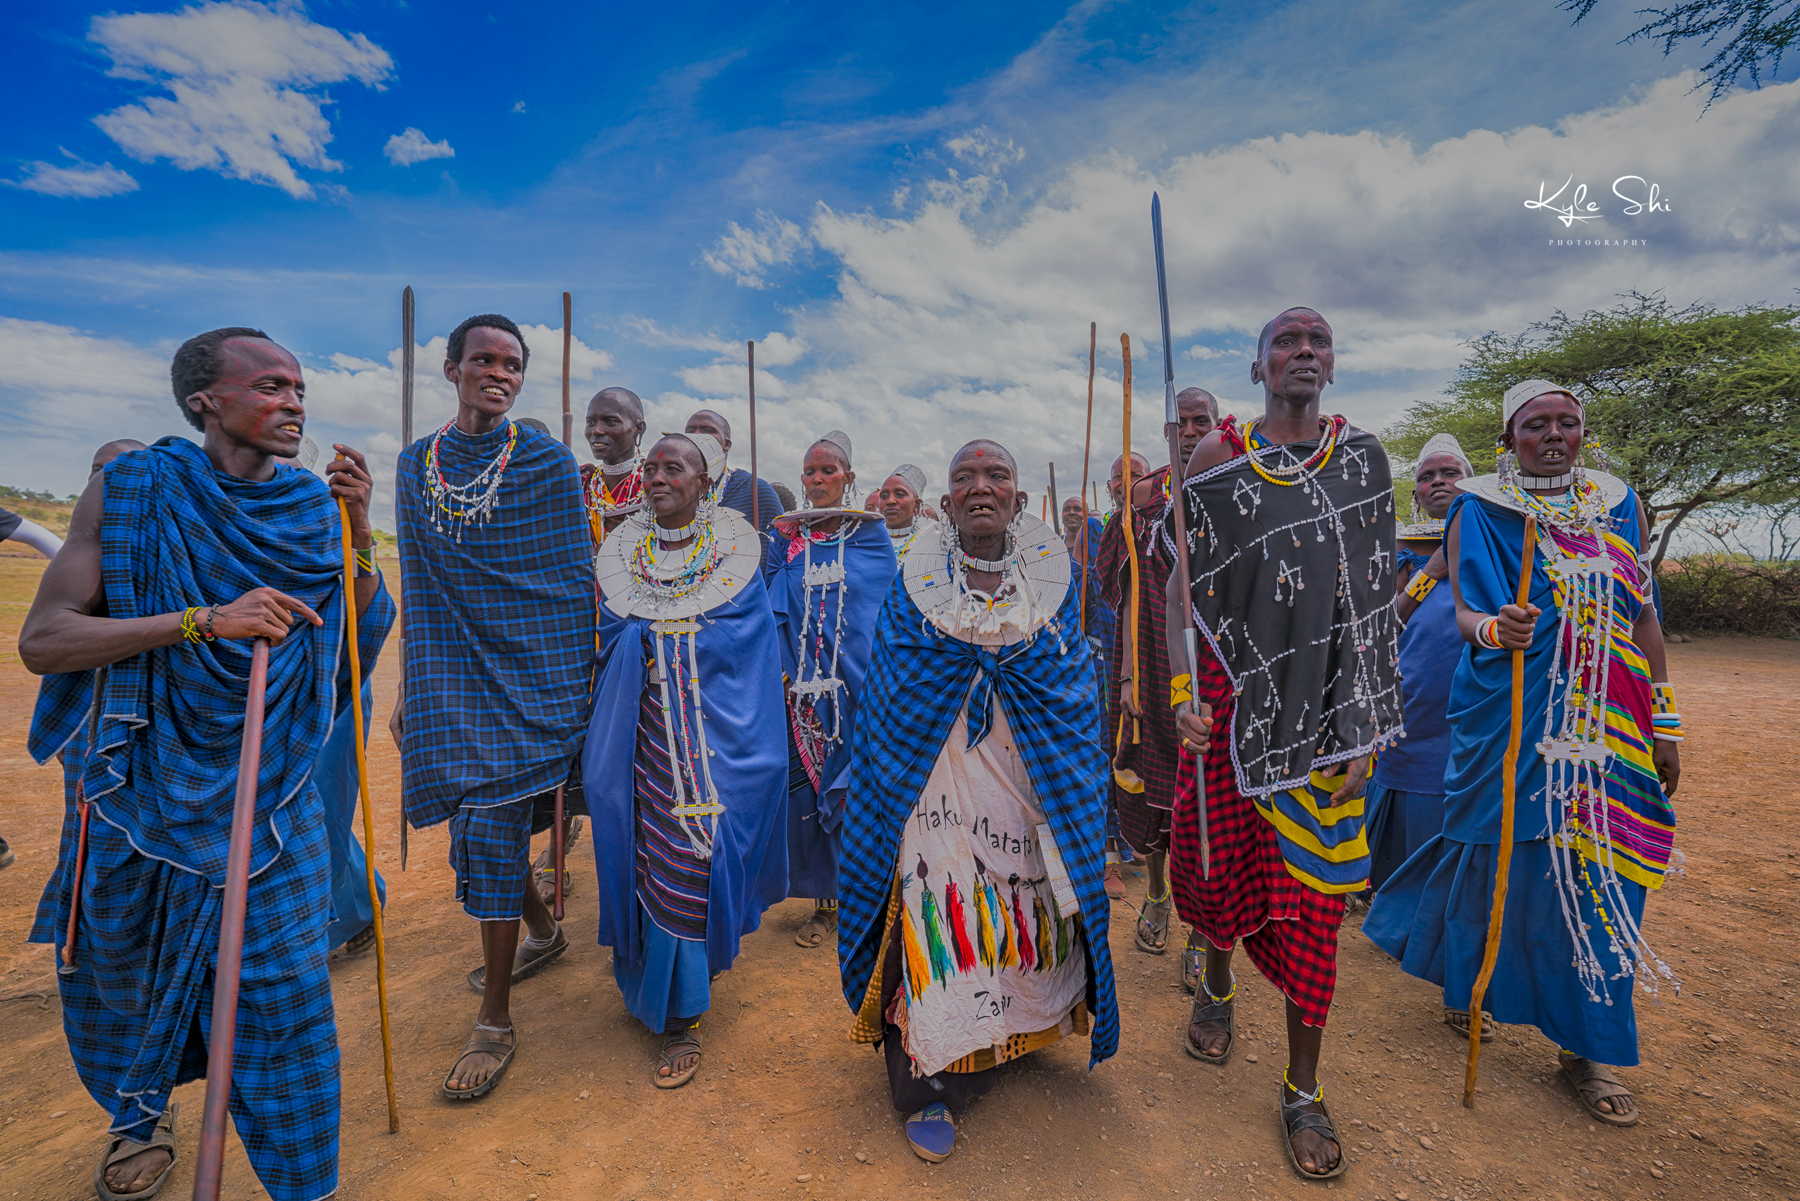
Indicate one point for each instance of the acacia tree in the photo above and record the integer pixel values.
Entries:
(1749, 34)
(1694, 406)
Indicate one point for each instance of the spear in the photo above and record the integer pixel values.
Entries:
(1509, 787)
(207, 1172)
(406, 432)
(1178, 505)
(568, 417)
(1054, 511)
(362, 783)
(1087, 444)
(755, 508)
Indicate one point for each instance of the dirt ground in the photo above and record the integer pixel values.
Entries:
(786, 1106)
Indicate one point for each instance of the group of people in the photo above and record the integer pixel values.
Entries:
(666, 649)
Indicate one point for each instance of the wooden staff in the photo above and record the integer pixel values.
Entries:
(755, 508)
(568, 417)
(406, 432)
(362, 784)
(1054, 510)
(1135, 604)
(81, 811)
(1087, 444)
(231, 936)
(1509, 787)
(557, 839)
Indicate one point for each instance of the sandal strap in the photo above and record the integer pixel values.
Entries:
(1297, 1121)
(1216, 1011)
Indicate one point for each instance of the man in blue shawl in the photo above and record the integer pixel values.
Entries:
(732, 489)
(178, 556)
(686, 751)
(499, 600)
(828, 570)
(973, 914)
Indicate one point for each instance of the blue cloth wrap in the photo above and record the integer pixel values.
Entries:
(813, 821)
(737, 496)
(335, 775)
(499, 628)
(746, 729)
(1431, 647)
(1046, 685)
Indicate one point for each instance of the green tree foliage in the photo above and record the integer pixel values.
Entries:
(1694, 406)
(1749, 33)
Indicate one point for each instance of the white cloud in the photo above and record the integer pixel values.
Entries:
(405, 149)
(519, 107)
(82, 180)
(949, 322)
(747, 254)
(244, 82)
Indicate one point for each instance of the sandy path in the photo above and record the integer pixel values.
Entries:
(785, 1105)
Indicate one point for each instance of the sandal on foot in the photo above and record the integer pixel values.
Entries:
(1154, 919)
(1594, 1083)
(678, 1045)
(527, 962)
(1208, 1008)
(478, 1044)
(119, 1149)
(1193, 962)
(816, 927)
(361, 941)
(1295, 1118)
(931, 1133)
(1458, 1020)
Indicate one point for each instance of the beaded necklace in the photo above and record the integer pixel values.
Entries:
(1574, 512)
(479, 499)
(1291, 470)
(817, 680)
(603, 498)
(903, 539)
(662, 578)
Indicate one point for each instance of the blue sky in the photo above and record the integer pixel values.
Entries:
(915, 209)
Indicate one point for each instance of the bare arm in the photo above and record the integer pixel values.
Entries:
(62, 634)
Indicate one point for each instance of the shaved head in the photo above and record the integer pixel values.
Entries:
(1268, 331)
(708, 422)
(626, 400)
(1198, 396)
(984, 448)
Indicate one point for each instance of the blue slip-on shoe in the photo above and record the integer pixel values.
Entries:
(932, 1133)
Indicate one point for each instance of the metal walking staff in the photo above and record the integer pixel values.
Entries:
(231, 936)
(1509, 787)
(1178, 506)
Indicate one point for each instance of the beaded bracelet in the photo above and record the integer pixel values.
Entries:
(190, 629)
(1665, 721)
(365, 561)
(1421, 585)
(1488, 634)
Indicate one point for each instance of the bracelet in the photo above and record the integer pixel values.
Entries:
(212, 611)
(1181, 690)
(1488, 634)
(1421, 585)
(365, 561)
(1665, 721)
(190, 629)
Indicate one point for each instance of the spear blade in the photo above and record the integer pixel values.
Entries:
(1171, 415)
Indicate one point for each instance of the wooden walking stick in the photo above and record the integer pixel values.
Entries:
(755, 508)
(1128, 779)
(81, 837)
(1054, 510)
(558, 840)
(1178, 510)
(1087, 444)
(231, 937)
(1509, 787)
(406, 431)
(368, 812)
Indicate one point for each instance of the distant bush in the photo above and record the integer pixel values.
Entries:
(1731, 594)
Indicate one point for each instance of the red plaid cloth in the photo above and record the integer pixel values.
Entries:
(1143, 816)
(1290, 931)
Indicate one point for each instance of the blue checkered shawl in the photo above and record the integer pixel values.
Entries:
(923, 678)
(499, 628)
(163, 769)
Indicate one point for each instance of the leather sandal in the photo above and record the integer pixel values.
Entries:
(1594, 1083)
(678, 1045)
(526, 961)
(1208, 1008)
(119, 1149)
(1295, 1118)
(480, 1045)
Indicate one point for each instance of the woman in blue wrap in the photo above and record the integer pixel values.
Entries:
(974, 916)
(828, 566)
(1593, 829)
(685, 760)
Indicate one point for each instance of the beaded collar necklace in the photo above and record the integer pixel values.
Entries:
(1279, 465)
(664, 577)
(636, 463)
(677, 534)
(1544, 483)
(477, 501)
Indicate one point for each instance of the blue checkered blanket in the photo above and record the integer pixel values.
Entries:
(499, 627)
(923, 678)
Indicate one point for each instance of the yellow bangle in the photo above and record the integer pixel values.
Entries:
(1421, 585)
